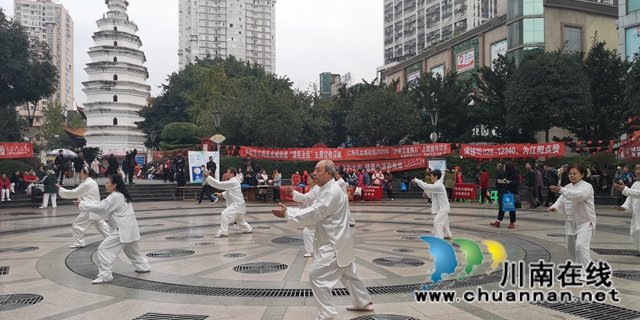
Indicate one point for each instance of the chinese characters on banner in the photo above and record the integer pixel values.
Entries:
(464, 191)
(393, 165)
(632, 150)
(16, 150)
(512, 151)
(372, 193)
(348, 154)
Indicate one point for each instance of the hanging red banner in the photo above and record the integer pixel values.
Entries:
(632, 151)
(347, 154)
(16, 150)
(512, 151)
(393, 165)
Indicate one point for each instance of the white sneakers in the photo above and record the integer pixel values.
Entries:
(101, 280)
(214, 202)
(308, 255)
(368, 307)
(76, 246)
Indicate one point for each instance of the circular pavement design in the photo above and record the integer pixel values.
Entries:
(79, 261)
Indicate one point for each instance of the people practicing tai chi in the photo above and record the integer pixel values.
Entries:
(305, 200)
(344, 184)
(576, 203)
(333, 248)
(118, 210)
(633, 202)
(87, 191)
(439, 203)
(235, 202)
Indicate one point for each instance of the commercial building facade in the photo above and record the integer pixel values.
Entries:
(629, 28)
(245, 29)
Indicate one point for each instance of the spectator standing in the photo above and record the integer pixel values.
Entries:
(276, 180)
(131, 156)
(499, 182)
(5, 187)
(305, 178)
(205, 189)
(361, 185)
(563, 175)
(551, 179)
(449, 182)
(41, 173)
(50, 190)
(125, 167)
(511, 182)
(78, 165)
(95, 165)
(484, 186)
(248, 162)
(626, 178)
(604, 183)
(295, 178)
(263, 183)
(181, 180)
(539, 185)
(61, 165)
(367, 177)
(212, 167)
(378, 177)
(388, 182)
(532, 180)
(112, 163)
(477, 174)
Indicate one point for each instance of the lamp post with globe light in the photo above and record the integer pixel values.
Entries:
(433, 113)
(217, 138)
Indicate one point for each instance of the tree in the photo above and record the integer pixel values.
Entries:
(548, 90)
(490, 101)
(77, 122)
(382, 115)
(606, 74)
(53, 126)
(27, 74)
(10, 125)
(180, 135)
(451, 97)
(209, 94)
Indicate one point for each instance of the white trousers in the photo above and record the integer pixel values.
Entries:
(232, 214)
(324, 278)
(307, 236)
(108, 252)
(45, 199)
(352, 221)
(635, 237)
(82, 223)
(6, 194)
(578, 246)
(441, 225)
(76, 178)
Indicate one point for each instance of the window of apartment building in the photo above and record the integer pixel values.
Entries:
(572, 39)
(633, 5)
(533, 31)
(115, 121)
(115, 43)
(115, 59)
(115, 28)
(115, 98)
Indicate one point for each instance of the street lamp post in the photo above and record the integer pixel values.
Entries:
(153, 140)
(433, 113)
(217, 117)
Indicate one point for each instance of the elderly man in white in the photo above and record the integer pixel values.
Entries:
(305, 200)
(440, 203)
(87, 191)
(235, 202)
(333, 247)
(633, 202)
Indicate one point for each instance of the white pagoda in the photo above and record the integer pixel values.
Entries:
(116, 88)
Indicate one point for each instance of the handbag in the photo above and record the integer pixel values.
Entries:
(508, 202)
(358, 191)
(403, 186)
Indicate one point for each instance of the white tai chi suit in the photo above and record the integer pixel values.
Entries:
(343, 184)
(235, 204)
(305, 200)
(333, 249)
(124, 233)
(439, 206)
(86, 191)
(633, 202)
(576, 202)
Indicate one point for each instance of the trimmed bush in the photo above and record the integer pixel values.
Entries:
(8, 167)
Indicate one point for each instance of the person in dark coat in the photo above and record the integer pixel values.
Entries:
(113, 165)
(78, 164)
(131, 157)
(604, 183)
(511, 182)
(50, 190)
(551, 179)
(61, 165)
(181, 179)
(125, 167)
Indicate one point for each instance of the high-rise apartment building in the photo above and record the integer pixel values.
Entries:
(245, 29)
(413, 25)
(49, 22)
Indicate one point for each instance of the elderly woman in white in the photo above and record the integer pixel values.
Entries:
(124, 235)
(576, 203)
(87, 191)
(633, 202)
(305, 200)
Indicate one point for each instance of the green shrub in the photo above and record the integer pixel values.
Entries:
(10, 166)
(179, 135)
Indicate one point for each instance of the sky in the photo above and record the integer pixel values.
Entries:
(312, 36)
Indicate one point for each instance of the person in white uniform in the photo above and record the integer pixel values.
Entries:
(439, 203)
(344, 184)
(235, 202)
(576, 203)
(118, 210)
(333, 248)
(305, 200)
(633, 202)
(87, 191)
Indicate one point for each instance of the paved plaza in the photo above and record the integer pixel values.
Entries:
(264, 275)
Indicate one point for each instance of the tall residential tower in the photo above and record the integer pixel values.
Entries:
(245, 29)
(49, 22)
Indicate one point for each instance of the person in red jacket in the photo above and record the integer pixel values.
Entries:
(5, 188)
(295, 178)
(484, 186)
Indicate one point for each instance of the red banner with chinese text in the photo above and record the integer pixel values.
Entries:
(348, 154)
(512, 151)
(464, 191)
(372, 193)
(632, 150)
(393, 165)
(16, 150)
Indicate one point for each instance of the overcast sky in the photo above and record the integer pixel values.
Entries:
(312, 36)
